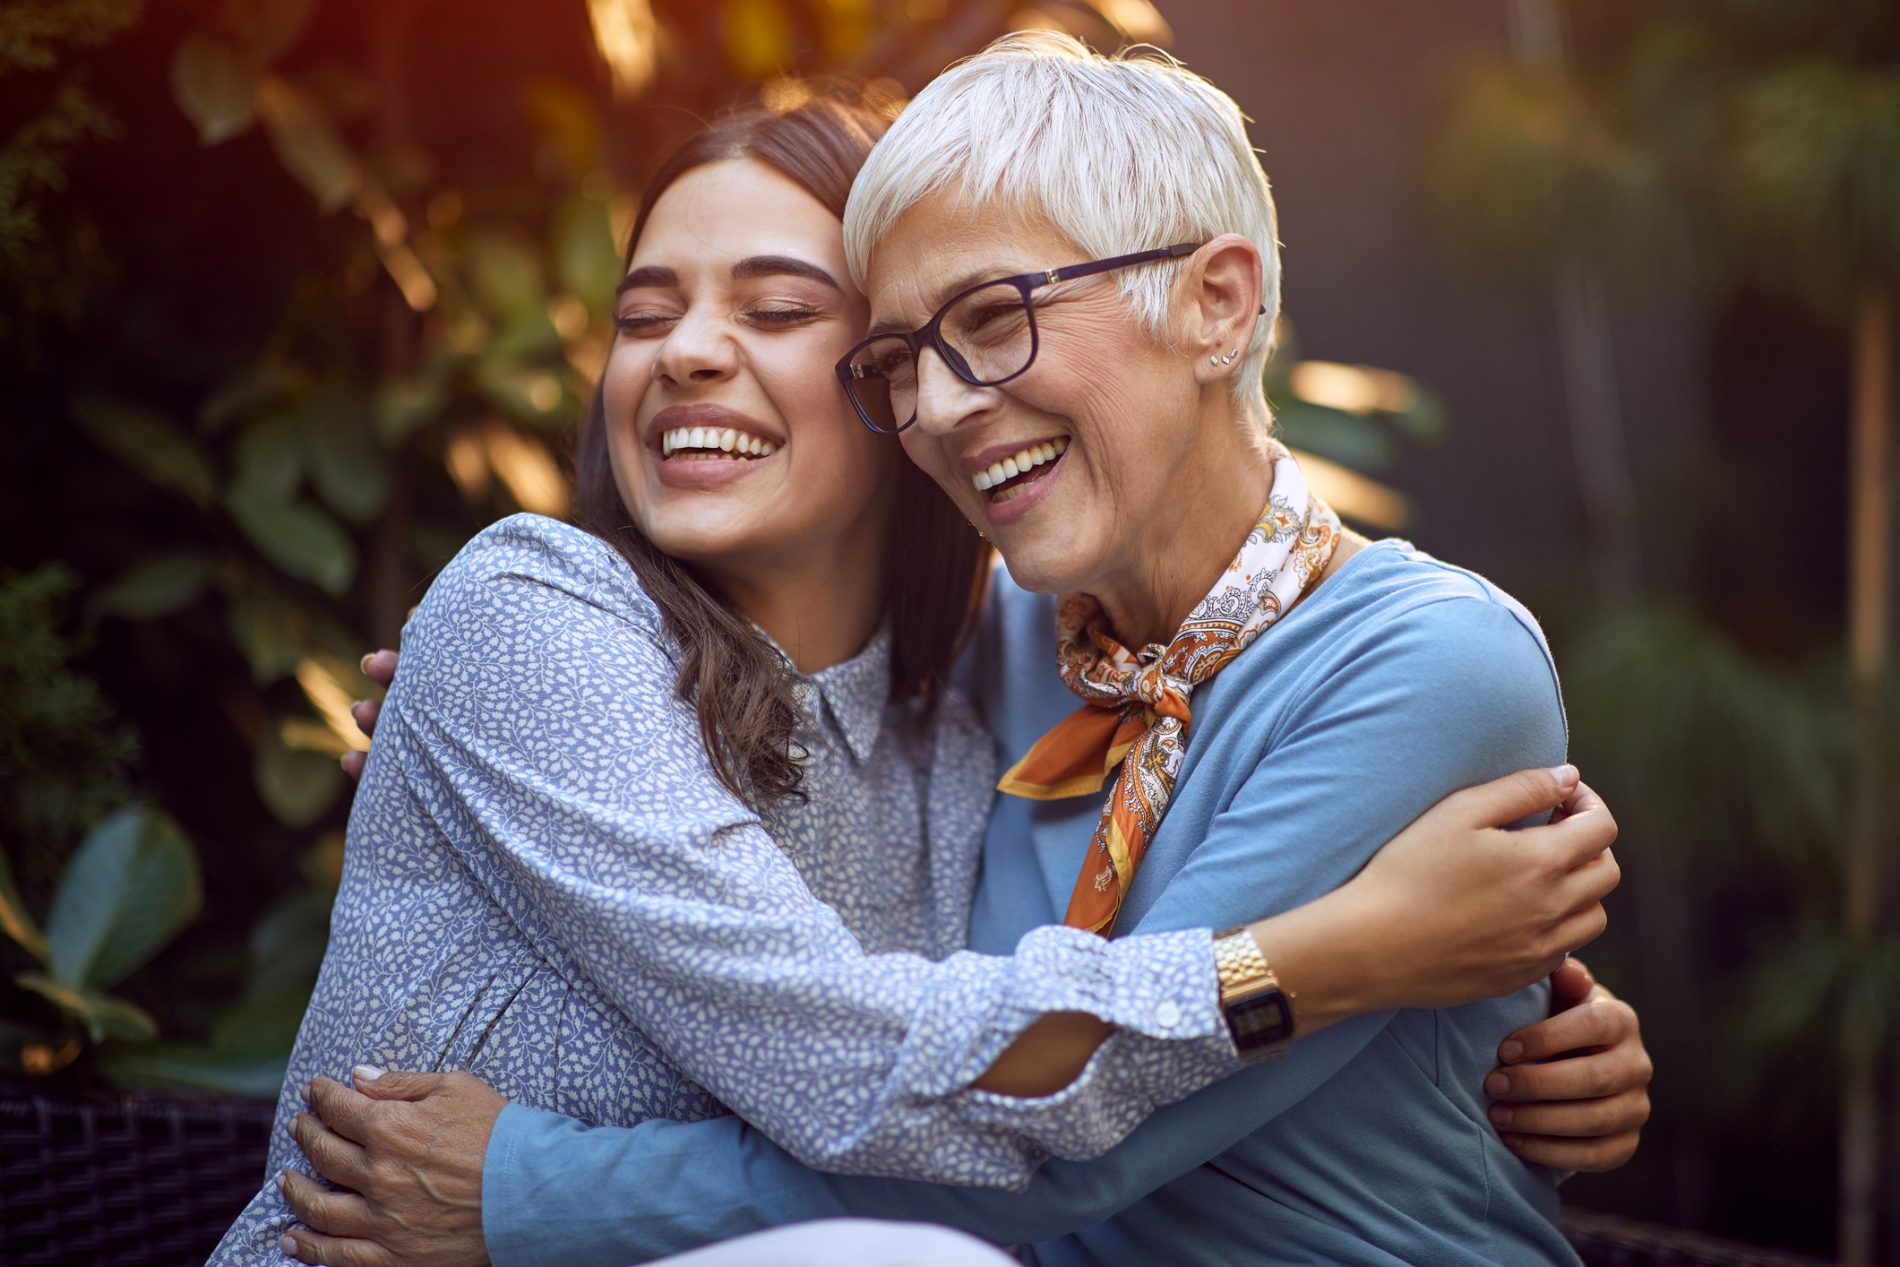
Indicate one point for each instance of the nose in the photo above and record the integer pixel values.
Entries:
(697, 350)
(944, 401)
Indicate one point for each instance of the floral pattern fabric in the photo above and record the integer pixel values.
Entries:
(1133, 726)
(545, 885)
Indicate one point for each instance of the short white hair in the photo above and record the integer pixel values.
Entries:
(1121, 154)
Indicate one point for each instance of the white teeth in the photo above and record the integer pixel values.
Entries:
(714, 440)
(1016, 464)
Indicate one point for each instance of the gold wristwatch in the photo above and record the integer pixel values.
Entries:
(1259, 1013)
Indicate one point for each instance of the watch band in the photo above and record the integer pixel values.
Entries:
(1258, 1012)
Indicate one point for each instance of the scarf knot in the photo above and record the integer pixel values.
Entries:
(1131, 732)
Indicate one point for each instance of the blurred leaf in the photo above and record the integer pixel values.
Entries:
(347, 467)
(196, 1067)
(298, 538)
(15, 921)
(298, 787)
(1353, 440)
(103, 1016)
(265, 628)
(524, 392)
(159, 586)
(268, 458)
(565, 119)
(403, 406)
(286, 946)
(263, 27)
(505, 277)
(149, 445)
(252, 388)
(758, 38)
(129, 889)
(215, 87)
(306, 143)
(586, 259)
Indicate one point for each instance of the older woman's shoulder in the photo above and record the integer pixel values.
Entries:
(552, 555)
(1394, 581)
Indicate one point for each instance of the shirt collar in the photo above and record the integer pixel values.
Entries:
(855, 691)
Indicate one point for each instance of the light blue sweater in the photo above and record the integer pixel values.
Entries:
(1397, 681)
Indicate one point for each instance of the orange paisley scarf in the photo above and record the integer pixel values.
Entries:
(1134, 725)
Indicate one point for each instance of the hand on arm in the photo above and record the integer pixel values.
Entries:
(380, 668)
(1572, 1091)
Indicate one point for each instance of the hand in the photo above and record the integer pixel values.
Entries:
(1462, 909)
(380, 668)
(1584, 1106)
(410, 1148)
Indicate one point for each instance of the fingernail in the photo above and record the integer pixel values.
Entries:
(1501, 1115)
(363, 664)
(282, 1179)
(1511, 1051)
(288, 1244)
(306, 1090)
(1564, 774)
(1512, 1142)
(366, 1073)
(1498, 1084)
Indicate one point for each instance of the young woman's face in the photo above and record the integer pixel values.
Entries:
(731, 444)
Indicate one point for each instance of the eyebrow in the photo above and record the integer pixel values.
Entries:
(659, 277)
(957, 287)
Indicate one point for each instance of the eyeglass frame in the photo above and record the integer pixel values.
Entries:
(930, 334)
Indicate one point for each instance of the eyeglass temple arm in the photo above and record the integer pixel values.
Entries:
(1074, 271)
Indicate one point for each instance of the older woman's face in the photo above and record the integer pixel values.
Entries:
(1113, 404)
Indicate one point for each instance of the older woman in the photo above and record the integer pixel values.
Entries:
(1072, 275)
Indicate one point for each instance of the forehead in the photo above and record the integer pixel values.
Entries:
(736, 208)
(943, 245)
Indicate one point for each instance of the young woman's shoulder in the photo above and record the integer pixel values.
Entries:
(558, 558)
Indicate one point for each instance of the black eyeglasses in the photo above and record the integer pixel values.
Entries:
(986, 335)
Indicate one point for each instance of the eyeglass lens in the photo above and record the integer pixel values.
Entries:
(987, 337)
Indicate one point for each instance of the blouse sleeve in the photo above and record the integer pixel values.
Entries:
(536, 720)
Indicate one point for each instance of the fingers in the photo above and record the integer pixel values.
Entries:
(380, 666)
(352, 763)
(1590, 1076)
(1504, 801)
(364, 713)
(329, 1251)
(1600, 1023)
(1582, 835)
(396, 1085)
(1575, 1119)
(336, 1158)
(1570, 985)
(348, 1113)
(336, 1213)
(1586, 1155)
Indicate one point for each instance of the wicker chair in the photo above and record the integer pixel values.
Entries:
(127, 1179)
(155, 1181)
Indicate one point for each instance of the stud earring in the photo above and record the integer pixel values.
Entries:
(1229, 358)
(1213, 360)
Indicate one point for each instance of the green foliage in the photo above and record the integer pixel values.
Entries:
(64, 758)
(131, 888)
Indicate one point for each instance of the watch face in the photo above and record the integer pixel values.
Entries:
(1261, 1021)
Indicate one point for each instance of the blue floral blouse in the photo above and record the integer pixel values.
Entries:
(546, 885)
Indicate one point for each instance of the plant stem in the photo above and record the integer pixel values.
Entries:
(1869, 574)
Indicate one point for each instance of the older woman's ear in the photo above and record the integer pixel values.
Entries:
(1221, 303)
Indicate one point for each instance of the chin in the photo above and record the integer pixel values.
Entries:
(1045, 567)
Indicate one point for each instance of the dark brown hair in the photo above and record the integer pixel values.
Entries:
(937, 568)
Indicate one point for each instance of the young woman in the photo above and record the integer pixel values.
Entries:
(674, 814)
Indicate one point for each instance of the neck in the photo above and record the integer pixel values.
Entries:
(821, 607)
(1174, 562)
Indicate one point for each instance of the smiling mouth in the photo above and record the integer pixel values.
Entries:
(701, 444)
(1001, 481)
